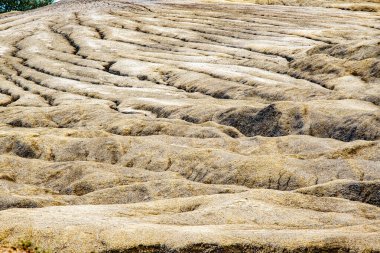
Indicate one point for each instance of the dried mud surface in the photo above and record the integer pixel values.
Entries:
(191, 127)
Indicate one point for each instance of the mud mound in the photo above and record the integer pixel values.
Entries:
(190, 127)
(367, 192)
(219, 222)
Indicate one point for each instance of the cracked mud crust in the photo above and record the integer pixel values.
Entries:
(190, 126)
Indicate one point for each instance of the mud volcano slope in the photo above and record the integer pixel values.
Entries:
(190, 127)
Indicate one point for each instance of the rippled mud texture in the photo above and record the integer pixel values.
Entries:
(191, 127)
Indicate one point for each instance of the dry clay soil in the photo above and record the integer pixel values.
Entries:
(185, 126)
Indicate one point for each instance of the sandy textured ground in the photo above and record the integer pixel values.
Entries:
(191, 127)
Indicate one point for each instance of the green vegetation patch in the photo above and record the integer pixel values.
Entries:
(22, 5)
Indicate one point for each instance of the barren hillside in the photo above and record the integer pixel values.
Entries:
(182, 126)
